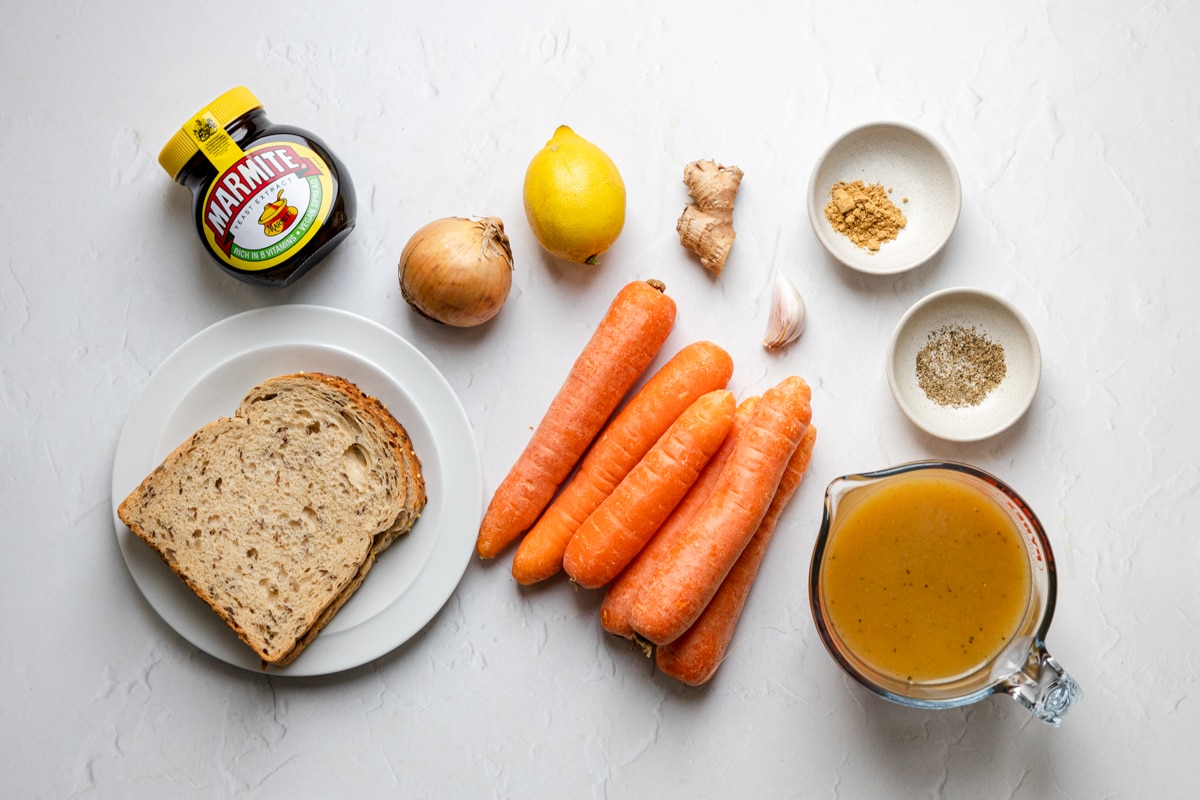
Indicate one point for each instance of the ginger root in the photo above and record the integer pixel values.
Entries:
(706, 225)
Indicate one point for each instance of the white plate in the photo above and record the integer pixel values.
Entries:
(1001, 322)
(206, 378)
(910, 163)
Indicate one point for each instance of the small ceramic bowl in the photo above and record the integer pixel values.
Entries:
(989, 316)
(915, 168)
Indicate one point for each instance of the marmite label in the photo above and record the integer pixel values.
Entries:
(267, 204)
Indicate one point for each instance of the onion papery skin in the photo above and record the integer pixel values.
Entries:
(457, 270)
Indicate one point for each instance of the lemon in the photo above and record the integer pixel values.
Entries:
(574, 198)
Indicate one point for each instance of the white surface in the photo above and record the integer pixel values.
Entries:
(922, 182)
(1072, 125)
(207, 377)
(992, 316)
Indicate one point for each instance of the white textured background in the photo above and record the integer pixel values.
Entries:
(1074, 126)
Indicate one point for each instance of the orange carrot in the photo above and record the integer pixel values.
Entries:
(699, 368)
(624, 343)
(622, 524)
(614, 610)
(695, 656)
(687, 579)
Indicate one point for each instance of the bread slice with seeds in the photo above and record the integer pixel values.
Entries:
(275, 515)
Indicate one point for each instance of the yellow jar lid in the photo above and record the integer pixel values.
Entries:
(226, 108)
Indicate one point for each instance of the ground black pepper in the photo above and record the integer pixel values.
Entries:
(959, 366)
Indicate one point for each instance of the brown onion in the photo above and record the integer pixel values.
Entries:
(457, 271)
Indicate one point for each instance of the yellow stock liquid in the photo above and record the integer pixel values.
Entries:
(925, 578)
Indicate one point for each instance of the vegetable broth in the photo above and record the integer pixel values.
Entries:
(926, 579)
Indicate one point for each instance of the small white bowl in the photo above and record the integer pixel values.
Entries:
(913, 166)
(990, 315)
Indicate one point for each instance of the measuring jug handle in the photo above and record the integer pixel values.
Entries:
(1044, 687)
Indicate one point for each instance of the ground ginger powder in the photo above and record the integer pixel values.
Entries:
(864, 214)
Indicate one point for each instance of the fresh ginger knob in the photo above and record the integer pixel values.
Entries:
(706, 225)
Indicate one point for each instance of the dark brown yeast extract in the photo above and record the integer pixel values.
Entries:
(269, 201)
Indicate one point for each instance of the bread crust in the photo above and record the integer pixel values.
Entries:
(288, 431)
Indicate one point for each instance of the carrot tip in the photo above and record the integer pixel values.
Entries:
(646, 645)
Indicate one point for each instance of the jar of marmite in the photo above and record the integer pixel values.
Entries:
(269, 201)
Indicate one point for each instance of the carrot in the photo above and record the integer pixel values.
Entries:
(699, 368)
(614, 610)
(695, 656)
(624, 343)
(622, 524)
(687, 579)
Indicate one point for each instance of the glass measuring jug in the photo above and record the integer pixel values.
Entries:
(933, 584)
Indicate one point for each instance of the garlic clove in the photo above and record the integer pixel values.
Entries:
(788, 314)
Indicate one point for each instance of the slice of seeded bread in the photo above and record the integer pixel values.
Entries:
(275, 515)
